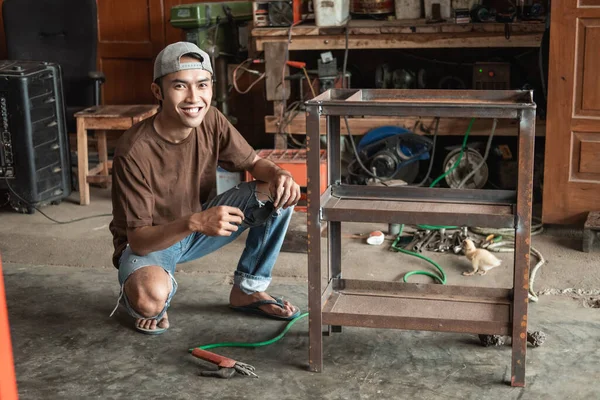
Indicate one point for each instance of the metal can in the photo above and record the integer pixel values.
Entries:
(372, 6)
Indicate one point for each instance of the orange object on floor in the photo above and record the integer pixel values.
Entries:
(8, 382)
(294, 161)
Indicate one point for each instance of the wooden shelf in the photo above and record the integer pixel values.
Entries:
(368, 34)
(448, 126)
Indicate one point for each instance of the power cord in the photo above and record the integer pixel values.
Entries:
(50, 218)
(243, 67)
(435, 134)
(484, 159)
(508, 246)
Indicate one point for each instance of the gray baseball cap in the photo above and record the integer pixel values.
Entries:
(167, 61)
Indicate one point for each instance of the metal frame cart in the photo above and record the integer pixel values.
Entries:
(379, 304)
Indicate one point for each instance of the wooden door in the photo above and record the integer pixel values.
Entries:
(130, 35)
(2, 38)
(572, 161)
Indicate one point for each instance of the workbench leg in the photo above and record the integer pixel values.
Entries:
(276, 89)
(334, 228)
(592, 224)
(103, 156)
(315, 291)
(522, 247)
(82, 162)
(334, 254)
(281, 139)
(587, 240)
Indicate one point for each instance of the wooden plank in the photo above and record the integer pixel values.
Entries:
(119, 111)
(280, 140)
(275, 56)
(96, 170)
(105, 180)
(369, 27)
(82, 162)
(406, 41)
(277, 89)
(108, 123)
(102, 154)
(448, 126)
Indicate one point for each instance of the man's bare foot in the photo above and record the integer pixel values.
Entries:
(152, 324)
(237, 298)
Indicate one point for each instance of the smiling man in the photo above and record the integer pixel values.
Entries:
(164, 169)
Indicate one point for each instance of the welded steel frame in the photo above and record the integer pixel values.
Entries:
(487, 208)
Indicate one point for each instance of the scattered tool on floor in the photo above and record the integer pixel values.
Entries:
(229, 367)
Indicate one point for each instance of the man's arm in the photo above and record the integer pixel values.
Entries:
(215, 221)
(284, 190)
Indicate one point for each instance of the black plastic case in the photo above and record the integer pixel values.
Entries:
(34, 145)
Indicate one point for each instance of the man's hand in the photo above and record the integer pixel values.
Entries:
(284, 190)
(217, 221)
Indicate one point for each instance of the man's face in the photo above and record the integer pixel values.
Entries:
(185, 95)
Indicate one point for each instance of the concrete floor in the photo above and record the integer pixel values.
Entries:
(61, 288)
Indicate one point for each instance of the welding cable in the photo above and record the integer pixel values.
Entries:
(441, 278)
(255, 344)
(242, 66)
(312, 89)
(508, 247)
(50, 218)
(354, 149)
(442, 176)
(484, 159)
(460, 156)
(435, 135)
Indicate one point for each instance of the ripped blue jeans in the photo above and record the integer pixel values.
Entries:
(267, 227)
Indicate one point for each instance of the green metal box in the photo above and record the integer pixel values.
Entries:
(201, 15)
(215, 27)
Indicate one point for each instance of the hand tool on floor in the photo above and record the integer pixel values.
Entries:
(227, 366)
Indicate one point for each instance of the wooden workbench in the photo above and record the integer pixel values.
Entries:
(372, 34)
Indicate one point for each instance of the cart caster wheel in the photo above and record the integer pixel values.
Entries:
(56, 202)
(491, 340)
(536, 338)
(30, 210)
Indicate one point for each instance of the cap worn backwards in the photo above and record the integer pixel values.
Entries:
(168, 60)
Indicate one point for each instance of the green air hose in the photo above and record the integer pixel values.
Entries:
(256, 344)
(462, 151)
(440, 278)
(452, 168)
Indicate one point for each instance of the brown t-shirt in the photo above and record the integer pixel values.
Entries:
(156, 181)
